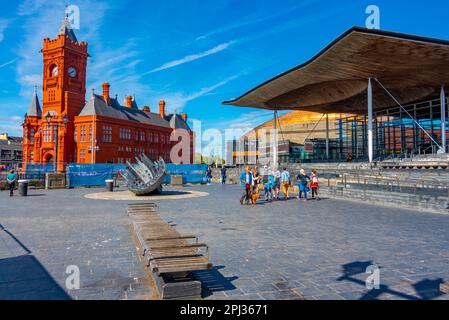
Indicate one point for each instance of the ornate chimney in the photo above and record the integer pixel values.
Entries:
(184, 116)
(146, 109)
(129, 101)
(106, 96)
(162, 108)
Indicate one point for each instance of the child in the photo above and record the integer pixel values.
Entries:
(314, 185)
(277, 183)
(269, 186)
(303, 181)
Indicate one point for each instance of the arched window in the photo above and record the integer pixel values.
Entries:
(53, 70)
(32, 136)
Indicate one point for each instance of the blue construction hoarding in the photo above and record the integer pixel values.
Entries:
(191, 173)
(91, 175)
(94, 175)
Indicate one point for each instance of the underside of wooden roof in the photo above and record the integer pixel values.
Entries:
(412, 68)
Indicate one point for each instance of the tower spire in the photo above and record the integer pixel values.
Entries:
(34, 110)
(66, 27)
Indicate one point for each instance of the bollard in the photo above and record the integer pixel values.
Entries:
(23, 188)
(110, 185)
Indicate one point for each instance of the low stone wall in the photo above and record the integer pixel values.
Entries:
(233, 175)
(329, 187)
(34, 183)
(437, 204)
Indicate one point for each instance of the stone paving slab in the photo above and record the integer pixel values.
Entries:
(318, 250)
(61, 228)
(282, 250)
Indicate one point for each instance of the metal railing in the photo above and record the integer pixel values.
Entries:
(429, 186)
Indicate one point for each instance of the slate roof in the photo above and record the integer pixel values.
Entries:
(177, 122)
(97, 106)
(11, 141)
(34, 110)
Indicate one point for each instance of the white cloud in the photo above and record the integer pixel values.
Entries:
(32, 79)
(192, 57)
(3, 25)
(177, 101)
(11, 125)
(29, 7)
(247, 21)
(249, 120)
(43, 18)
(16, 118)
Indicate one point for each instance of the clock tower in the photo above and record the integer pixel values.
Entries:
(63, 91)
(64, 78)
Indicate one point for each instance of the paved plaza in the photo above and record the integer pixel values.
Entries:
(282, 250)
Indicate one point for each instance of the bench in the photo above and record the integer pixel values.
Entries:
(171, 257)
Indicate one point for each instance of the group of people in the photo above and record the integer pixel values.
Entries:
(209, 175)
(275, 182)
(223, 174)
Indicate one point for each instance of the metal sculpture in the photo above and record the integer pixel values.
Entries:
(145, 176)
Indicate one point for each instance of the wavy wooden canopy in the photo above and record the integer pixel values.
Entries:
(412, 68)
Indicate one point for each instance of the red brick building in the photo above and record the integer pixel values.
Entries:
(69, 129)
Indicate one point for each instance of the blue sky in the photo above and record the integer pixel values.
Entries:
(194, 54)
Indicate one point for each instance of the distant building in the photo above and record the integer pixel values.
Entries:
(295, 131)
(10, 150)
(231, 146)
(68, 129)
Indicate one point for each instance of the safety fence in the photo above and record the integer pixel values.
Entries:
(191, 173)
(92, 175)
(40, 168)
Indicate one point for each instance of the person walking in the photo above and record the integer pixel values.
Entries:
(285, 183)
(277, 183)
(269, 188)
(246, 181)
(223, 175)
(256, 178)
(209, 175)
(303, 181)
(314, 184)
(11, 179)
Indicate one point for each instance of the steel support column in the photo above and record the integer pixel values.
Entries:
(370, 121)
(274, 142)
(327, 137)
(443, 121)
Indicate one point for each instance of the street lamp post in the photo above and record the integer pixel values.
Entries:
(48, 118)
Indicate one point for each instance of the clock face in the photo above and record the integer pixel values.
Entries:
(72, 72)
(54, 71)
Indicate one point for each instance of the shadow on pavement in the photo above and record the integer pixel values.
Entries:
(213, 281)
(426, 289)
(174, 193)
(23, 277)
